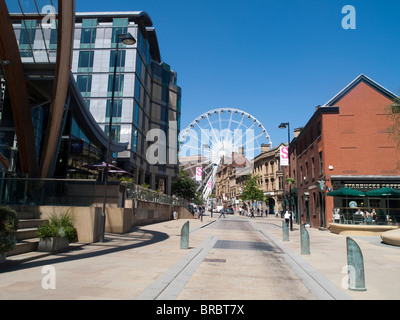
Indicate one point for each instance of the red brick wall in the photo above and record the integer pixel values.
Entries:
(353, 141)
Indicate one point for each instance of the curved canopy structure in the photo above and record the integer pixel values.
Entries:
(33, 60)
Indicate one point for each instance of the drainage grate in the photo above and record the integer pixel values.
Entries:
(243, 245)
(215, 260)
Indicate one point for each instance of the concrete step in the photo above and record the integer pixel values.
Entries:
(31, 223)
(26, 233)
(25, 215)
(24, 246)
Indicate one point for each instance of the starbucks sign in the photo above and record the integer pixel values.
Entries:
(353, 204)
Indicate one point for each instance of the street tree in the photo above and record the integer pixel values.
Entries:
(184, 187)
(251, 191)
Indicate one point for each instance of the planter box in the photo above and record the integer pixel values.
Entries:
(53, 244)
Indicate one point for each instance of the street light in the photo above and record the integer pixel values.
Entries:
(126, 39)
(285, 125)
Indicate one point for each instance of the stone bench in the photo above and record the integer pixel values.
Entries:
(360, 229)
(391, 237)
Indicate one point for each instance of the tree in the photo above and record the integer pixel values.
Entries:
(251, 192)
(184, 187)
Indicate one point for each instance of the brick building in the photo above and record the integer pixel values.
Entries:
(345, 143)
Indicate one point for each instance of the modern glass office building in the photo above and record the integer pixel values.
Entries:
(146, 91)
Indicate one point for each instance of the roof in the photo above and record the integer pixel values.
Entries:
(355, 82)
(107, 15)
(141, 18)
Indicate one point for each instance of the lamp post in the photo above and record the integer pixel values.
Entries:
(127, 39)
(285, 125)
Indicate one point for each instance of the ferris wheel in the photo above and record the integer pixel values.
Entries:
(222, 135)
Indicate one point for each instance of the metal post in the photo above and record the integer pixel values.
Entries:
(285, 230)
(105, 175)
(185, 236)
(355, 264)
(305, 240)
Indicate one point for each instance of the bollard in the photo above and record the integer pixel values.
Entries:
(185, 236)
(355, 263)
(305, 240)
(285, 230)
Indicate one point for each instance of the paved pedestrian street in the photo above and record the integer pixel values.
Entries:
(242, 265)
(232, 258)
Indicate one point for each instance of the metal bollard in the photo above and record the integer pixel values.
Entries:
(305, 240)
(185, 236)
(285, 230)
(355, 263)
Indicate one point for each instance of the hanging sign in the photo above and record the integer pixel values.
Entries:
(199, 173)
(284, 156)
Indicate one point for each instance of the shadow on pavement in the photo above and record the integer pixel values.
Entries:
(113, 243)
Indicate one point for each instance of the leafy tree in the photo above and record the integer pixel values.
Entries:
(184, 187)
(251, 192)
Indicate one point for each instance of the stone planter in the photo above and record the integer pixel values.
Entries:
(53, 244)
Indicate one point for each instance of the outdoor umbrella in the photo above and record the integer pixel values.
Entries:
(344, 192)
(99, 166)
(384, 192)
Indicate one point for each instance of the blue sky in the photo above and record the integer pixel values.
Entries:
(275, 59)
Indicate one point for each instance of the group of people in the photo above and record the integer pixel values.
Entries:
(366, 215)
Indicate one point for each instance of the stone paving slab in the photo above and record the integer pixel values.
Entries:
(124, 266)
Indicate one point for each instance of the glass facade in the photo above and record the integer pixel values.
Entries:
(146, 92)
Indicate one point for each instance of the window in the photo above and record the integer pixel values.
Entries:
(135, 138)
(88, 34)
(301, 175)
(321, 163)
(84, 83)
(28, 30)
(306, 171)
(53, 38)
(119, 83)
(117, 109)
(319, 128)
(137, 91)
(85, 60)
(120, 59)
(136, 115)
(313, 167)
(115, 131)
(120, 26)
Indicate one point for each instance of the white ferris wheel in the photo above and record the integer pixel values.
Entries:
(222, 135)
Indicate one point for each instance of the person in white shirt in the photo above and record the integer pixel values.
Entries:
(287, 217)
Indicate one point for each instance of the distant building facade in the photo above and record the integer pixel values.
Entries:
(270, 177)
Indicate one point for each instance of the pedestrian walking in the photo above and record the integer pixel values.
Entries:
(222, 213)
(252, 213)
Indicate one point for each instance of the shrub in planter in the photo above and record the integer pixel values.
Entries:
(57, 234)
(8, 227)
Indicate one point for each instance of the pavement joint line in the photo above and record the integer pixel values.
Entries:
(169, 284)
(319, 285)
(201, 227)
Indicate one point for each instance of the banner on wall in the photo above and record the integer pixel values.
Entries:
(284, 156)
(199, 173)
